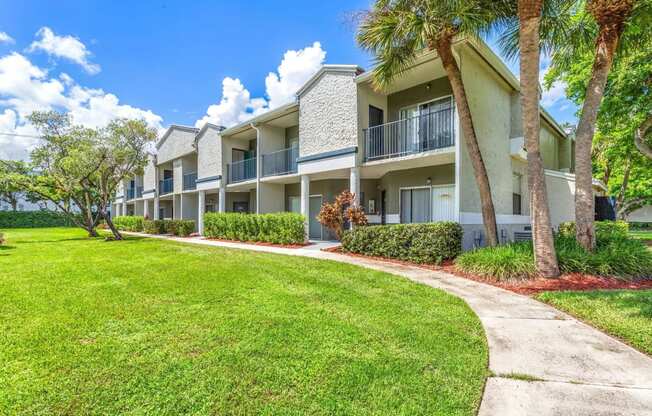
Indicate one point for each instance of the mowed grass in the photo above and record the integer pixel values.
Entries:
(627, 314)
(645, 235)
(147, 326)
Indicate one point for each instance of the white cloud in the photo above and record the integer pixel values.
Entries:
(5, 38)
(24, 88)
(236, 104)
(67, 47)
(295, 69)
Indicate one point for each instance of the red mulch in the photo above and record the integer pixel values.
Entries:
(260, 243)
(573, 281)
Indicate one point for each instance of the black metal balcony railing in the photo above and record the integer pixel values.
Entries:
(282, 162)
(433, 130)
(242, 170)
(139, 192)
(131, 193)
(190, 181)
(165, 186)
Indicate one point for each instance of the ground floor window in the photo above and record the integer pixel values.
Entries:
(415, 205)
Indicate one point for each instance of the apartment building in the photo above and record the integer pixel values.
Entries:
(399, 150)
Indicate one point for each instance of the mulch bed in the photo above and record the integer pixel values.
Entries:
(530, 287)
(261, 243)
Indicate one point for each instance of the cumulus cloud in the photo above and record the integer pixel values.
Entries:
(236, 104)
(24, 88)
(5, 38)
(67, 47)
(295, 69)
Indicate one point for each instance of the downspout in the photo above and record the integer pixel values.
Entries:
(258, 166)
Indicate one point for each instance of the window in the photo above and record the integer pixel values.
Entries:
(415, 205)
(517, 208)
(294, 204)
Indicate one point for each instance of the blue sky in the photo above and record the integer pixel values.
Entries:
(168, 60)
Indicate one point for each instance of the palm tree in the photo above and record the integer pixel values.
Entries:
(529, 17)
(397, 31)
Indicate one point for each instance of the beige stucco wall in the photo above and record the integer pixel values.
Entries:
(549, 145)
(561, 196)
(519, 167)
(149, 175)
(643, 214)
(490, 99)
(209, 154)
(393, 181)
(368, 97)
(328, 114)
(178, 143)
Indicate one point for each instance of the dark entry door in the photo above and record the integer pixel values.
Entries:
(314, 227)
(376, 134)
(383, 207)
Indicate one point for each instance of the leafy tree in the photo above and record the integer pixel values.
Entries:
(605, 28)
(624, 109)
(398, 31)
(10, 190)
(78, 169)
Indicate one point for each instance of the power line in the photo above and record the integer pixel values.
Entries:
(18, 135)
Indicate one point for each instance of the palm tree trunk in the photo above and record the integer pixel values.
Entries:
(610, 16)
(444, 49)
(529, 12)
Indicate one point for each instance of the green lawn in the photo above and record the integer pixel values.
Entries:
(626, 314)
(147, 326)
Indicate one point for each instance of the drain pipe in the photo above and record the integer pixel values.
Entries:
(258, 166)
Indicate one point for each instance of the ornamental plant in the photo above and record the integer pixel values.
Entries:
(334, 215)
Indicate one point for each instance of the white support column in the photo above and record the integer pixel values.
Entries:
(305, 200)
(354, 184)
(146, 209)
(180, 206)
(124, 208)
(156, 208)
(221, 202)
(201, 205)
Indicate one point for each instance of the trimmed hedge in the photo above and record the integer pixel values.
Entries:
(182, 228)
(603, 229)
(34, 219)
(129, 223)
(419, 243)
(279, 228)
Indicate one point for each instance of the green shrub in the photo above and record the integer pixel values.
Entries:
(640, 225)
(615, 256)
(509, 261)
(129, 223)
(603, 229)
(34, 219)
(182, 228)
(279, 228)
(420, 243)
(154, 227)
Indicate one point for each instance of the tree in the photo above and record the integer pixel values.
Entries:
(10, 190)
(603, 27)
(622, 116)
(78, 169)
(398, 31)
(521, 24)
(334, 215)
(643, 137)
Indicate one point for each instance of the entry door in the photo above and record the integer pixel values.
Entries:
(314, 227)
(443, 203)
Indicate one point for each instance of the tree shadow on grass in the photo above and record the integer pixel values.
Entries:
(4, 248)
(635, 302)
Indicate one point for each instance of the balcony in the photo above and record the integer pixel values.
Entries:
(241, 171)
(131, 193)
(165, 186)
(190, 181)
(139, 192)
(282, 162)
(422, 133)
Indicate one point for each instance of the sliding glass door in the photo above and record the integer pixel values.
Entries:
(415, 205)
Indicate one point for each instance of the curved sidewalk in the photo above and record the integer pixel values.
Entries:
(542, 361)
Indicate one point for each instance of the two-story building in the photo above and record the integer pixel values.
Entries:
(399, 150)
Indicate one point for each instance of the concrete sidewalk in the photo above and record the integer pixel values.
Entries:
(543, 362)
